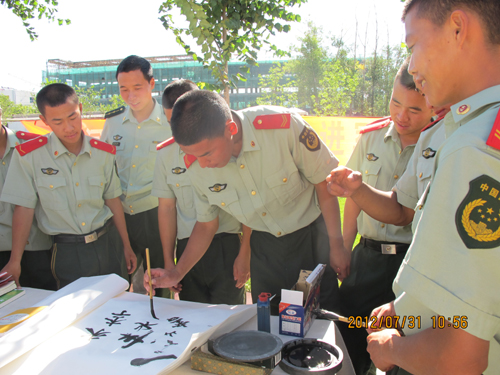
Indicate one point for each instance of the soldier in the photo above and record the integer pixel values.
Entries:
(381, 156)
(36, 259)
(220, 275)
(267, 168)
(448, 281)
(68, 181)
(135, 131)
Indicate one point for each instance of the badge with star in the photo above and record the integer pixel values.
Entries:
(217, 188)
(428, 153)
(178, 170)
(50, 171)
(371, 157)
(309, 138)
(478, 216)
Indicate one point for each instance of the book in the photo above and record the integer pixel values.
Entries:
(7, 287)
(11, 296)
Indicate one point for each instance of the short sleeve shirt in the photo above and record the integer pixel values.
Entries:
(36, 240)
(451, 268)
(382, 162)
(172, 181)
(136, 154)
(269, 187)
(66, 191)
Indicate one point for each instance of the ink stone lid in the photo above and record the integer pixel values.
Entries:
(255, 347)
(311, 356)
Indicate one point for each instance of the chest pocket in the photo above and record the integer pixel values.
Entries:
(228, 201)
(97, 184)
(183, 192)
(286, 184)
(370, 173)
(120, 145)
(152, 156)
(52, 193)
(425, 170)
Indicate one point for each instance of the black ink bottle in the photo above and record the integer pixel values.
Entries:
(264, 313)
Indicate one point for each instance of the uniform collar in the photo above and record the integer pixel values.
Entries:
(465, 110)
(392, 134)
(249, 140)
(12, 140)
(156, 114)
(58, 148)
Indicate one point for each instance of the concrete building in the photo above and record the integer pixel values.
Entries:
(18, 96)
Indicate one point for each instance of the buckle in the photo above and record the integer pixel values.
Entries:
(91, 237)
(388, 249)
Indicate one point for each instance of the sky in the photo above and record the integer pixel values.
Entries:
(114, 29)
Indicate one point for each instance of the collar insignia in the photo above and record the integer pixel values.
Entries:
(463, 109)
(50, 171)
(217, 188)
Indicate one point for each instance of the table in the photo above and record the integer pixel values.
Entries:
(321, 329)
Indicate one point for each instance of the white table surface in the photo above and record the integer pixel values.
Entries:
(321, 329)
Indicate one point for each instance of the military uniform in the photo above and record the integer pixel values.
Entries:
(135, 158)
(211, 279)
(451, 268)
(67, 193)
(269, 188)
(36, 259)
(375, 261)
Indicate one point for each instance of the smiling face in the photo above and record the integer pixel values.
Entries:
(66, 122)
(408, 111)
(135, 90)
(434, 59)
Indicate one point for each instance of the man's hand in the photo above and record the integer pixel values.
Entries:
(380, 347)
(130, 259)
(340, 261)
(380, 313)
(343, 182)
(241, 269)
(14, 269)
(161, 278)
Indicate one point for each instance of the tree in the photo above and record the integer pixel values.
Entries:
(229, 27)
(9, 108)
(278, 87)
(29, 9)
(309, 67)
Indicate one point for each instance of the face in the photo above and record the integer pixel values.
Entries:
(433, 56)
(212, 153)
(135, 89)
(438, 111)
(408, 110)
(66, 122)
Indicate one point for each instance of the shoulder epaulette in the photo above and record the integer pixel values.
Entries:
(494, 138)
(26, 136)
(114, 112)
(432, 123)
(379, 124)
(166, 143)
(189, 159)
(275, 121)
(103, 146)
(32, 145)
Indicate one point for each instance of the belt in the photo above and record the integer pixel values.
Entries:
(83, 238)
(384, 247)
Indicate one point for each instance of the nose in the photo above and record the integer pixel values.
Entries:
(411, 66)
(402, 115)
(203, 162)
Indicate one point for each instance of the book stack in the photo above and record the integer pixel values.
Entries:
(8, 291)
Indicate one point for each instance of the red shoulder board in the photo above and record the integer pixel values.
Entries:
(26, 136)
(494, 138)
(103, 146)
(32, 145)
(277, 121)
(189, 159)
(379, 124)
(433, 123)
(166, 143)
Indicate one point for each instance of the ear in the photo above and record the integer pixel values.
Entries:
(80, 105)
(152, 83)
(43, 119)
(232, 127)
(459, 22)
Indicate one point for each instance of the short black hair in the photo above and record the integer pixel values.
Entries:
(133, 62)
(405, 78)
(437, 11)
(54, 95)
(174, 90)
(198, 115)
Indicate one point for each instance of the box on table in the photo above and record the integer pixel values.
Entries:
(297, 305)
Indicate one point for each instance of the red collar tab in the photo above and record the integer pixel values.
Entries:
(189, 159)
(275, 121)
(494, 138)
(432, 123)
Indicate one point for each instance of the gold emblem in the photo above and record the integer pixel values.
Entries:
(463, 109)
(178, 170)
(217, 188)
(371, 157)
(309, 138)
(428, 153)
(478, 231)
(117, 137)
(50, 171)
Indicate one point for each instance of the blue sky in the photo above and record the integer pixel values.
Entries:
(106, 29)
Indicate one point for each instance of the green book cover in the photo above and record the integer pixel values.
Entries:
(11, 296)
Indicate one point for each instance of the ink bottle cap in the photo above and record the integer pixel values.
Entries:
(264, 297)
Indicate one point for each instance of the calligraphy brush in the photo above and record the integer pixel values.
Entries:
(150, 285)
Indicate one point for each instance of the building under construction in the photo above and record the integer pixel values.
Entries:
(101, 74)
